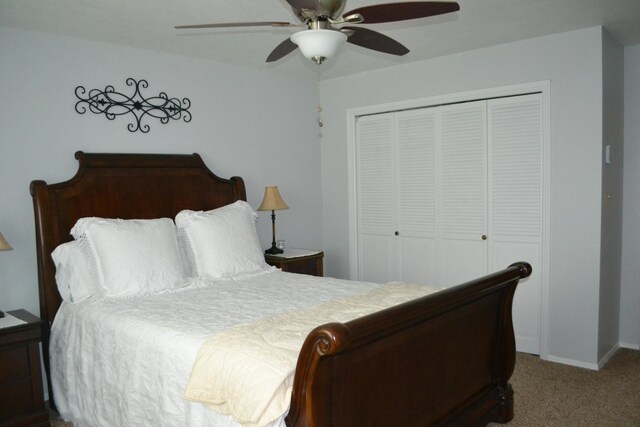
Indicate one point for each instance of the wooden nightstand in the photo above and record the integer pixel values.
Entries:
(21, 398)
(291, 262)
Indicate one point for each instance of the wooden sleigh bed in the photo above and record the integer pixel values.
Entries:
(445, 359)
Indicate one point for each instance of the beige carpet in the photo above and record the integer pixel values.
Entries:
(550, 394)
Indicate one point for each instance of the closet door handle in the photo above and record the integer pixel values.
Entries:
(397, 233)
(484, 237)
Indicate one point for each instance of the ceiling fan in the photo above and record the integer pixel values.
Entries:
(327, 27)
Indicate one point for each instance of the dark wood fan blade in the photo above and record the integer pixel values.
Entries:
(392, 12)
(236, 24)
(374, 40)
(282, 50)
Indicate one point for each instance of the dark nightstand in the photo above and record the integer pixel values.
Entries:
(290, 262)
(21, 398)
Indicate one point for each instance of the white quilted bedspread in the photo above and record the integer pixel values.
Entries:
(247, 371)
(126, 362)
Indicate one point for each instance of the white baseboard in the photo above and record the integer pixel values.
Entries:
(593, 366)
(572, 362)
(607, 356)
(632, 346)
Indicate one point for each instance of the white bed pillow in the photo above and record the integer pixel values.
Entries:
(222, 242)
(75, 275)
(132, 257)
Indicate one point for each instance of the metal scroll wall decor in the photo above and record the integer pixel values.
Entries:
(113, 104)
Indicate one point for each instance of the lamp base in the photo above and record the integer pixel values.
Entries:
(273, 250)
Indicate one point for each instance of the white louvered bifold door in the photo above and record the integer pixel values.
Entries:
(515, 204)
(375, 169)
(462, 244)
(450, 193)
(416, 195)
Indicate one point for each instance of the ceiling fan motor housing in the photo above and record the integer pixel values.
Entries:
(314, 9)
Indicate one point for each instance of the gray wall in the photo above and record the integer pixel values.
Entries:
(612, 175)
(630, 293)
(248, 123)
(262, 127)
(572, 63)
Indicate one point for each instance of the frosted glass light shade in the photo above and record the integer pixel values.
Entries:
(316, 44)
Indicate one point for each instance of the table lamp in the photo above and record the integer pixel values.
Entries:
(4, 246)
(273, 202)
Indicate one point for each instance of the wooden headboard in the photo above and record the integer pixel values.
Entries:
(128, 186)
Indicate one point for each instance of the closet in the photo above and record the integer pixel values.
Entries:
(448, 193)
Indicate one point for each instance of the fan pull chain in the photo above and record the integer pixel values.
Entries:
(319, 107)
(320, 122)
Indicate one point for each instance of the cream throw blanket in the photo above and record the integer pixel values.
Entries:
(247, 371)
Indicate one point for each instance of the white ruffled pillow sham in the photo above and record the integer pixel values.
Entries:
(222, 242)
(75, 276)
(132, 257)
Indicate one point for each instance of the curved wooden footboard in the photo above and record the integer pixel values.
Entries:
(444, 359)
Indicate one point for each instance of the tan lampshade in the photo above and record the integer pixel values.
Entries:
(272, 200)
(4, 245)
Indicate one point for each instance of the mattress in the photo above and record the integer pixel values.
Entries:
(126, 361)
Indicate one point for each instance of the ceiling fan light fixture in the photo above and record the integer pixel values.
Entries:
(318, 44)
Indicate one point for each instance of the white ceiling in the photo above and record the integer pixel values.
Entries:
(148, 24)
